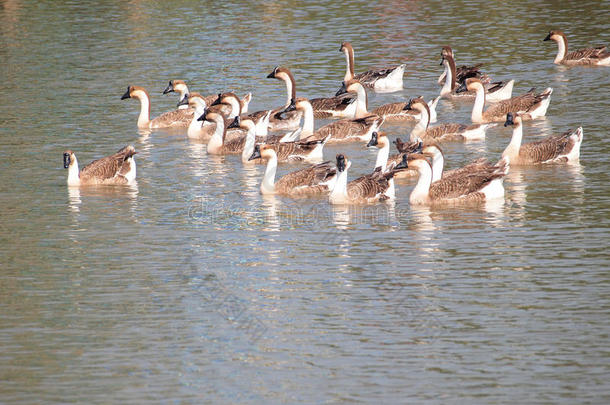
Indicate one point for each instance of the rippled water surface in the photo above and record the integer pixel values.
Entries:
(192, 287)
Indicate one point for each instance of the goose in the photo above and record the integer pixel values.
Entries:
(381, 80)
(531, 105)
(462, 72)
(438, 161)
(374, 187)
(286, 121)
(309, 150)
(338, 131)
(395, 112)
(166, 120)
(586, 56)
(184, 111)
(564, 148)
(231, 101)
(387, 161)
(218, 143)
(480, 186)
(119, 168)
(442, 132)
(316, 179)
(494, 91)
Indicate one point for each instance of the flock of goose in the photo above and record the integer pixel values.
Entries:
(277, 136)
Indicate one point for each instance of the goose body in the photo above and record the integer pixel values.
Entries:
(119, 168)
(388, 162)
(184, 112)
(381, 80)
(169, 119)
(396, 112)
(480, 186)
(442, 132)
(342, 106)
(371, 188)
(530, 105)
(316, 179)
(564, 148)
(598, 56)
(438, 161)
(494, 91)
(310, 150)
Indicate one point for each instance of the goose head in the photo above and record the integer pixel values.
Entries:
(236, 123)
(378, 139)
(446, 52)
(555, 35)
(193, 100)
(68, 158)
(351, 86)
(417, 161)
(513, 119)
(135, 92)
(262, 151)
(346, 47)
(470, 84)
(178, 86)
(417, 104)
(209, 115)
(281, 73)
(343, 163)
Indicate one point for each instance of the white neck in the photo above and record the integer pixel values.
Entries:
(235, 107)
(446, 89)
(215, 142)
(184, 90)
(73, 173)
(308, 120)
(268, 183)
(513, 147)
(144, 118)
(382, 156)
(420, 192)
(422, 124)
(348, 68)
(361, 102)
(289, 87)
(339, 193)
(249, 146)
(563, 48)
(479, 103)
(195, 126)
(438, 162)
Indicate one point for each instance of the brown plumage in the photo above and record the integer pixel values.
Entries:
(114, 169)
(296, 151)
(348, 130)
(332, 106)
(370, 187)
(371, 77)
(307, 181)
(585, 56)
(395, 112)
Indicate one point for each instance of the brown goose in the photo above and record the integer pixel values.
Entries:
(531, 105)
(564, 148)
(316, 179)
(438, 161)
(340, 106)
(374, 187)
(218, 143)
(586, 56)
(480, 186)
(462, 72)
(186, 112)
(119, 168)
(166, 120)
(387, 161)
(442, 132)
(494, 91)
(381, 80)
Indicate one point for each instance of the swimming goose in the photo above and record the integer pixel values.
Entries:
(395, 111)
(119, 168)
(184, 111)
(377, 186)
(218, 143)
(339, 131)
(531, 105)
(309, 150)
(387, 161)
(480, 186)
(442, 132)
(232, 101)
(494, 91)
(286, 121)
(461, 72)
(586, 56)
(564, 148)
(166, 120)
(339, 106)
(381, 80)
(316, 179)
(438, 161)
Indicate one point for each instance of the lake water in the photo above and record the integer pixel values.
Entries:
(192, 287)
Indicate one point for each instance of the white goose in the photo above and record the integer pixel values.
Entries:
(531, 105)
(119, 168)
(564, 148)
(586, 56)
(169, 119)
(381, 80)
(316, 179)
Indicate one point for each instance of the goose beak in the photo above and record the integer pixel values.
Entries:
(548, 37)
(509, 120)
(442, 60)
(462, 88)
(340, 163)
(420, 147)
(403, 163)
(184, 101)
(126, 95)
(203, 116)
(169, 88)
(256, 154)
(217, 101)
(235, 123)
(272, 74)
(342, 90)
(374, 140)
(66, 160)
(409, 106)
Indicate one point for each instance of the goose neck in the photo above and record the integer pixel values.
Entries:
(268, 183)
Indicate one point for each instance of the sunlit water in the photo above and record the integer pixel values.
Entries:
(192, 287)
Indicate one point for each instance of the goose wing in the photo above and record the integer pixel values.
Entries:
(369, 77)
(393, 109)
(294, 150)
(309, 177)
(588, 53)
(469, 168)
(548, 148)
(442, 130)
(463, 185)
(520, 104)
(109, 166)
(369, 186)
(406, 147)
(324, 107)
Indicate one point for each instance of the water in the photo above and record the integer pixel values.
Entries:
(192, 287)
